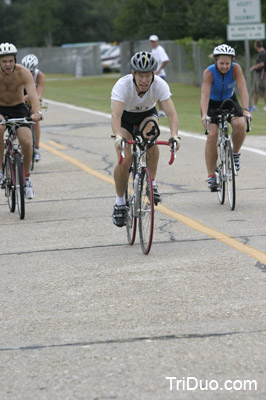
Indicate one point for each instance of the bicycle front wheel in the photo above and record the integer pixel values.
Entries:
(146, 212)
(130, 201)
(8, 184)
(19, 186)
(230, 175)
(219, 173)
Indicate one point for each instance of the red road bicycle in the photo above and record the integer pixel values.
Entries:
(13, 167)
(139, 193)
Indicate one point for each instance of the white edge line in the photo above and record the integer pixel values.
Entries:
(162, 128)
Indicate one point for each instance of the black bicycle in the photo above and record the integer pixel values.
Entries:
(225, 168)
(139, 193)
(13, 166)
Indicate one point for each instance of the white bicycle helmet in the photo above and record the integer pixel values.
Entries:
(143, 62)
(30, 62)
(224, 50)
(8, 49)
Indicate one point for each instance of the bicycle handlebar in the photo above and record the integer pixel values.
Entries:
(13, 121)
(208, 120)
(158, 142)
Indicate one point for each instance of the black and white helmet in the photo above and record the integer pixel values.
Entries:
(143, 62)
(7, 49)
(30, 62)
(224, 50)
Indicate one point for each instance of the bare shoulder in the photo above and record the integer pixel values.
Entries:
(21, 73)
(207, 75)
(237, 70)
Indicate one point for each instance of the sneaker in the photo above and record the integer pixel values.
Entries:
(156, 195)
(37, 155)
(264, 108)
(212, 183)
(1, 178)
(254, 108)
(236, 157)
(28, 190)
(161, 114)
(120, 215)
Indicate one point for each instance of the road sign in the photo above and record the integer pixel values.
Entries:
(244, 11)
(246, 32)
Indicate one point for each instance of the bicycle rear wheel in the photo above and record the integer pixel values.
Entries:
(8, 184)
(220, 177)
(146, 214)
(130, 201)
(230, 175)
(19, 186)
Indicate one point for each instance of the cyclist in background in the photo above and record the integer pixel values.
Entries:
(13, 79)
(162, 58)
(31, 63)
(219, 82)
(134, 97)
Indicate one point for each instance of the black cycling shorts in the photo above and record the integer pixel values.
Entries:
(214, 105)
(18, 111)
(131, 119)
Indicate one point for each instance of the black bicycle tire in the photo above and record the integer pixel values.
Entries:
(9, 185)
(19, 186)
(146, 209)
(220, 177)
(131, 226)
(230, 172)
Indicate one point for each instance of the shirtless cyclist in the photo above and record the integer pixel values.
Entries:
(14, 78)
(31, 62)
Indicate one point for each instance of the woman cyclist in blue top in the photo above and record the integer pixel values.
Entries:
(219, 82)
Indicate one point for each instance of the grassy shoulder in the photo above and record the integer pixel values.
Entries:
(94, 93)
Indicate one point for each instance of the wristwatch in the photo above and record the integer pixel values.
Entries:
(39, 112)
(246, 108)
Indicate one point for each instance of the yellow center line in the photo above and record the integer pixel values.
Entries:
(190, 222)
(58, 145)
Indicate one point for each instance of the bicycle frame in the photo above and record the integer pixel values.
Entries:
(225, 169)
(13, 164)
(139, 192)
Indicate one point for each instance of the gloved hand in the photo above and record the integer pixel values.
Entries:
(176, 139)
(118, 141)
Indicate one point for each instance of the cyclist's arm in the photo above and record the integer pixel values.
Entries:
(205, 95)
(164, 63)
(117, 111)
(169, 109)
(242, 87)
(32, 96)
(40, 84)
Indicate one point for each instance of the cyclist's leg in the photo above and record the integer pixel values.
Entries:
(152, 161)
(239, 132)
(121, 178)
(25, 140)
(2, 146)
(121, 170)
(211, 149)
(37, 133)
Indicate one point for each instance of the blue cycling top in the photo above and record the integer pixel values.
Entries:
(223, 86)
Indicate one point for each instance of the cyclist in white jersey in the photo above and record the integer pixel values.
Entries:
(133, 100)
(31, 62)
(162, 58)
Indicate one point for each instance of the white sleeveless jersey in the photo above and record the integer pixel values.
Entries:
(35, 75)
(125, 91)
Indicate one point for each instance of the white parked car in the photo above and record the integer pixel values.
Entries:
(110, 59)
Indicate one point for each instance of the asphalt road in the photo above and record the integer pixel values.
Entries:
(85, 316)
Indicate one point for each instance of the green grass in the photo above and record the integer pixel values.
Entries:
(94, 93)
